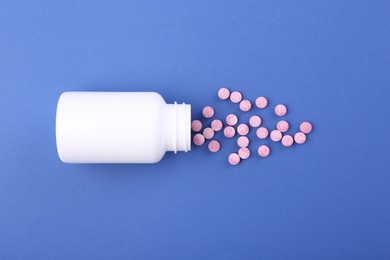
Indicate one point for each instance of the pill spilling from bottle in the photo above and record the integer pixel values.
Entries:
(232, 126)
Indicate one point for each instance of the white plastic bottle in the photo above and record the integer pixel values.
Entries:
(120, 127)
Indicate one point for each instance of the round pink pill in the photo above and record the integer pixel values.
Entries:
(306, 127)
(243, 141)
(235, 97)
(280, 110)
(276, 135)
(208, 112)
(243, 129)
(231, 119)
(287, 140)
(196, 125)
(263, 151)
(255, 121)
(245, 105)
(262, 132)
(208, 133)
(282, 126)
(229, 131)
(234, 159)
(223, 93)
(244, 153)
(300, 138)
(214, 146)
(198, 139)
(261, 102)
(216, 125)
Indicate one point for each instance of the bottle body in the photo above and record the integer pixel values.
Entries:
(120, 127)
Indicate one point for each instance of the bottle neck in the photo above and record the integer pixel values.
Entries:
(178, 127)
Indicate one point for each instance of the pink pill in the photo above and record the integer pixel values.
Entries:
(263, 151)
(243, 129)
(306, 127)
(208, 133)
(244, 153)
(280, 110)
(234, 159)
(300, 138)
(198, 139)
(229, 131)
(261, 102)
(255, 121)
(216, 125)
(287, 140)
(235, 97)
(214, 146)
(223, 93)
(245, 105)
(282, 126)
(276, 135)
(243, 141)
(231, 119)
(262, 132)
(208, 112)
(196, 125)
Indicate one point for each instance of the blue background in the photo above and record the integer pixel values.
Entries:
(328, 61)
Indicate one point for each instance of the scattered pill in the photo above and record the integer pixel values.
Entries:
(229, 131)
(244, 153)
(208, 133)
(276, 135)
(255, 121)
(198, 139)
(235, 97)
(262, 132)
(231, 119)
(243, 141)
(232, 126)
(305, 127)
(216, 125)
(208, 112)
(245, 105)
(280, 110)
(196, 125)
(223, 93)
(300, 138)
(243, 129)
(261, 102)
(234, 159)
(263, 150)
(287, 140)
(282, 126)
(214, 146)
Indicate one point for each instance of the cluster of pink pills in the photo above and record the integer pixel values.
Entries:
(231, 127)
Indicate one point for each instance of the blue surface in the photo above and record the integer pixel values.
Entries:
(328, 61)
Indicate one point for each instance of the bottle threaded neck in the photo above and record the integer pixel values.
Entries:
(178, 130)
